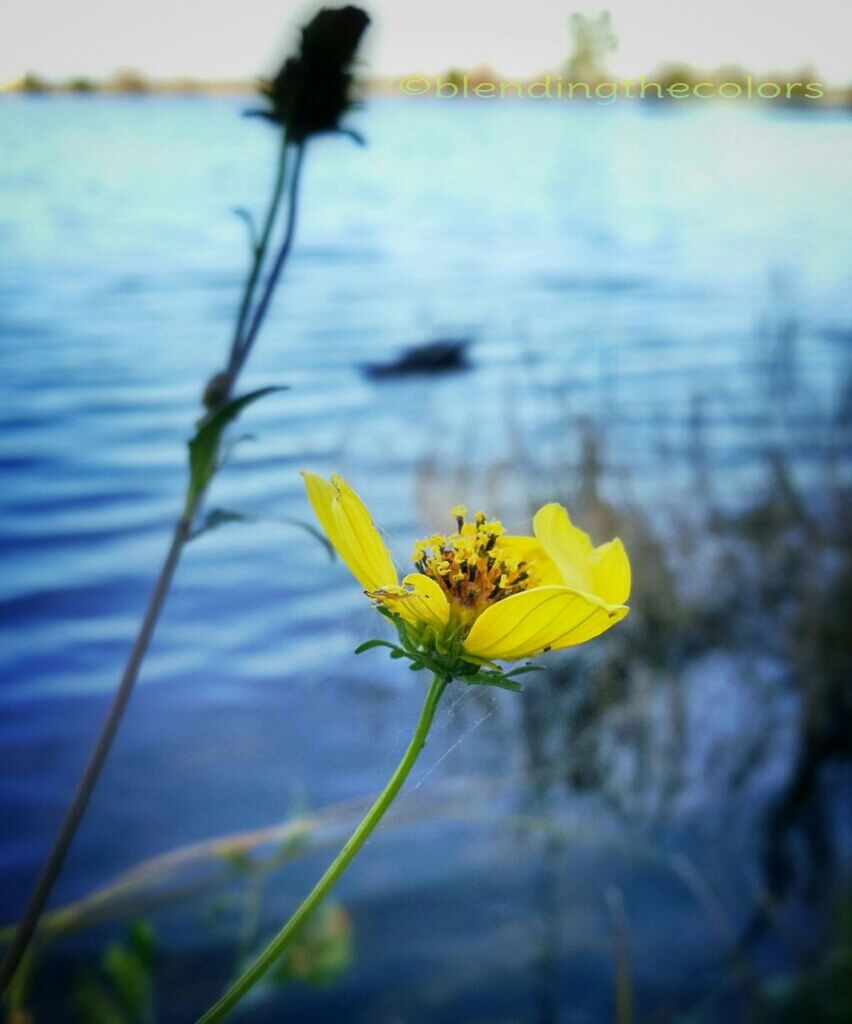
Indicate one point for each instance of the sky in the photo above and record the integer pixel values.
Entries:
(240, 39)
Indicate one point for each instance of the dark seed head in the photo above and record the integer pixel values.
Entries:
(310, 93)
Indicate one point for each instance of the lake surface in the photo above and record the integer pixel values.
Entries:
(664, 291)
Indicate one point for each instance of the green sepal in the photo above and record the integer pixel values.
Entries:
(444, 656)
(497, 679)
(524, 669)
(370, 644)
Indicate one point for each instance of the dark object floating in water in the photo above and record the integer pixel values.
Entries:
(444, 356)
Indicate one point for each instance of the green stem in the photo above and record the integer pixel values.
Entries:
(250, 333)
(68, 829)
(260, 251)
(53, 864)
(276, 947)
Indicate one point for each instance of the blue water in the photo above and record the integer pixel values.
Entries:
(614, 267)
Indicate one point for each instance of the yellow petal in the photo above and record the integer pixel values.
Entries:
(321, 496)
(610, 572)
(347, 524)
(528, 550)
(544, 617)
(422, 602)
(568, 545)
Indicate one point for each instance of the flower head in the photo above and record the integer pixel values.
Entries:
(478, 594)
(310, 93)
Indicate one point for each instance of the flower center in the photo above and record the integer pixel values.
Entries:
(475, 566)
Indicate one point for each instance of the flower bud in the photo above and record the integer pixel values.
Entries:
(215, 391)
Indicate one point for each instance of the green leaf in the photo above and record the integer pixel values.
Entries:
(18, 994)
(226, 516)
(312, 530)
(246, 217)
(321, 954)
(239, 861)
(219, 517)
(130, 979)
(93, 1005)
(140, 937)
(204, 447)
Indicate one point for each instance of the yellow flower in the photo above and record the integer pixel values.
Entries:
(479, 594)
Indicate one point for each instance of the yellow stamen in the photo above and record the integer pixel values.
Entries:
(474, 566)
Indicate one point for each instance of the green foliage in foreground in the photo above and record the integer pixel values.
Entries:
(122, 991)
(823, 994)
